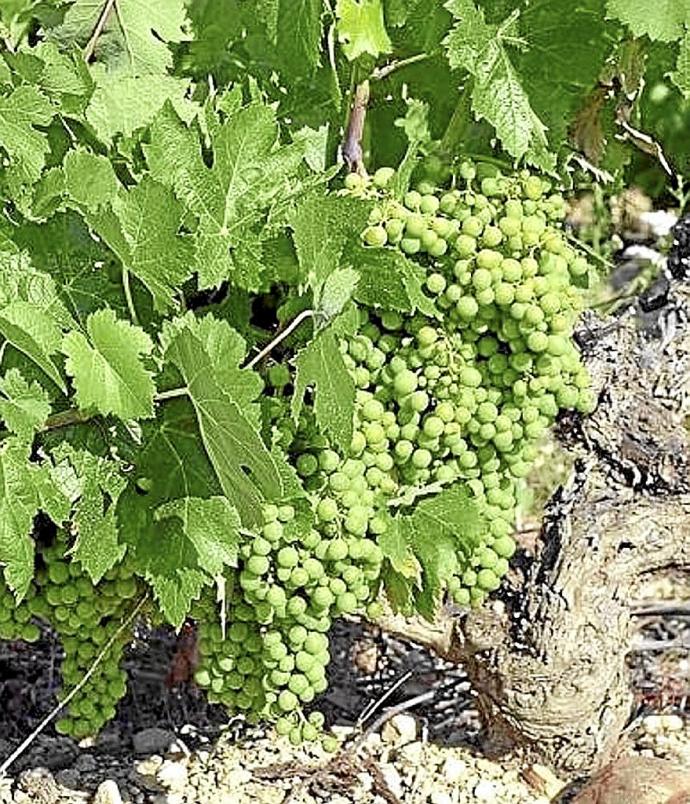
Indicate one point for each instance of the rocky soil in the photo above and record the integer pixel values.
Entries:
(169, 747)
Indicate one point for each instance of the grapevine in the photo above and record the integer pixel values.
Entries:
(273, 351)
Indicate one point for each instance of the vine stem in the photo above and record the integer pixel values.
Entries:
(128, 296)
(383, 72)
(592, 253)
(279, 338)
(56, 711)
(98, 30)
(173, 393)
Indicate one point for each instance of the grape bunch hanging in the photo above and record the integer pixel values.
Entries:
(459, 398)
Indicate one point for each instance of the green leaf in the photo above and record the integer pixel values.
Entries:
(27, 147)
(361, 28)
(322, 225)
(250, 172)
(135, 35)
(126, 104)
(170, 465)
(497, 92)
(97, 486)
(245, 468)
(211, 528)
(141, 226)
(681, 75)
(441, 528)
(226, 349)
(336, 292)
(398, 551)
(108, 373)
(295, 28)
(90, 179)
(23, 488)
(665, 22)
(35, 334)
(25, 406)
(389, 281)
(320, 365)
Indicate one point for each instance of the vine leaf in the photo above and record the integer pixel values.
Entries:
(226, 350)
(171, 464)
(361, 28)
(25, 489)
(133, 34)
(141, 227)
(107, 370)
(27, 147)
(441, 528)
(25, 406)
(665, 23)
(322, 225)
(295, 28)
(387, 279)
(250, 172)
(127, 104)
(211, 532)
(321, 366)
(95, 487)
(90, 179)
(246, 470)
(497, 92)
(35, 334)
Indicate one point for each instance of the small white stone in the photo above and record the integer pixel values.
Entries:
(149, 766)
(485, 790)
(169, 798)
(108, 793)
(392, 778)
(399, 730)
(413, 753)
(441, 797)
(238, 777)
(454, 770)
(172, 775)
(365, 781)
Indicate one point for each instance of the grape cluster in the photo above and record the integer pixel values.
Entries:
(16, 619)
(466, 397)
(86, 617)
(271, 658)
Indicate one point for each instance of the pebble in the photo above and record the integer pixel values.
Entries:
(68, 777)
(85, 763)
(173, 776)
(485, 790)
(392, 778)
(38, 786)
(153, 741)
(413, 753)
(399, 730)
(149, 766)
(108, 793)
(454, 769)
(441, 797)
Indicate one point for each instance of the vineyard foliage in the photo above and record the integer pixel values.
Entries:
(240, 385)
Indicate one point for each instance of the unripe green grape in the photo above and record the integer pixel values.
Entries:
(383, 176)
(410, 245)
(412, 199)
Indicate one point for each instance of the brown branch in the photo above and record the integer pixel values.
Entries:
(352, 144)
